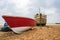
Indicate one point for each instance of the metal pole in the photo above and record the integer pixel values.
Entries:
(39, 10)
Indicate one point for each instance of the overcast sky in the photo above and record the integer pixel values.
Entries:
(28, 8)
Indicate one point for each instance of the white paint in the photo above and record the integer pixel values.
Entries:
(20, 29)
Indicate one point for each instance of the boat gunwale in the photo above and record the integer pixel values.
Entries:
(18, 17)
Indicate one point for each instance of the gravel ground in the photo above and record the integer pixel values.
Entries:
(38, 33)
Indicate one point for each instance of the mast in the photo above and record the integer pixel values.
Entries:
(40, 15)
(39, 10)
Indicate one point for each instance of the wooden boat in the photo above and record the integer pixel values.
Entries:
(19, 24)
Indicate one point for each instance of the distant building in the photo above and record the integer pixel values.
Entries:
(57, 23)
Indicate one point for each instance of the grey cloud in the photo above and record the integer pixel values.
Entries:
(9, 7)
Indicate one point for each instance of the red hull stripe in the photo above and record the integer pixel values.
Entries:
(19, 21)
